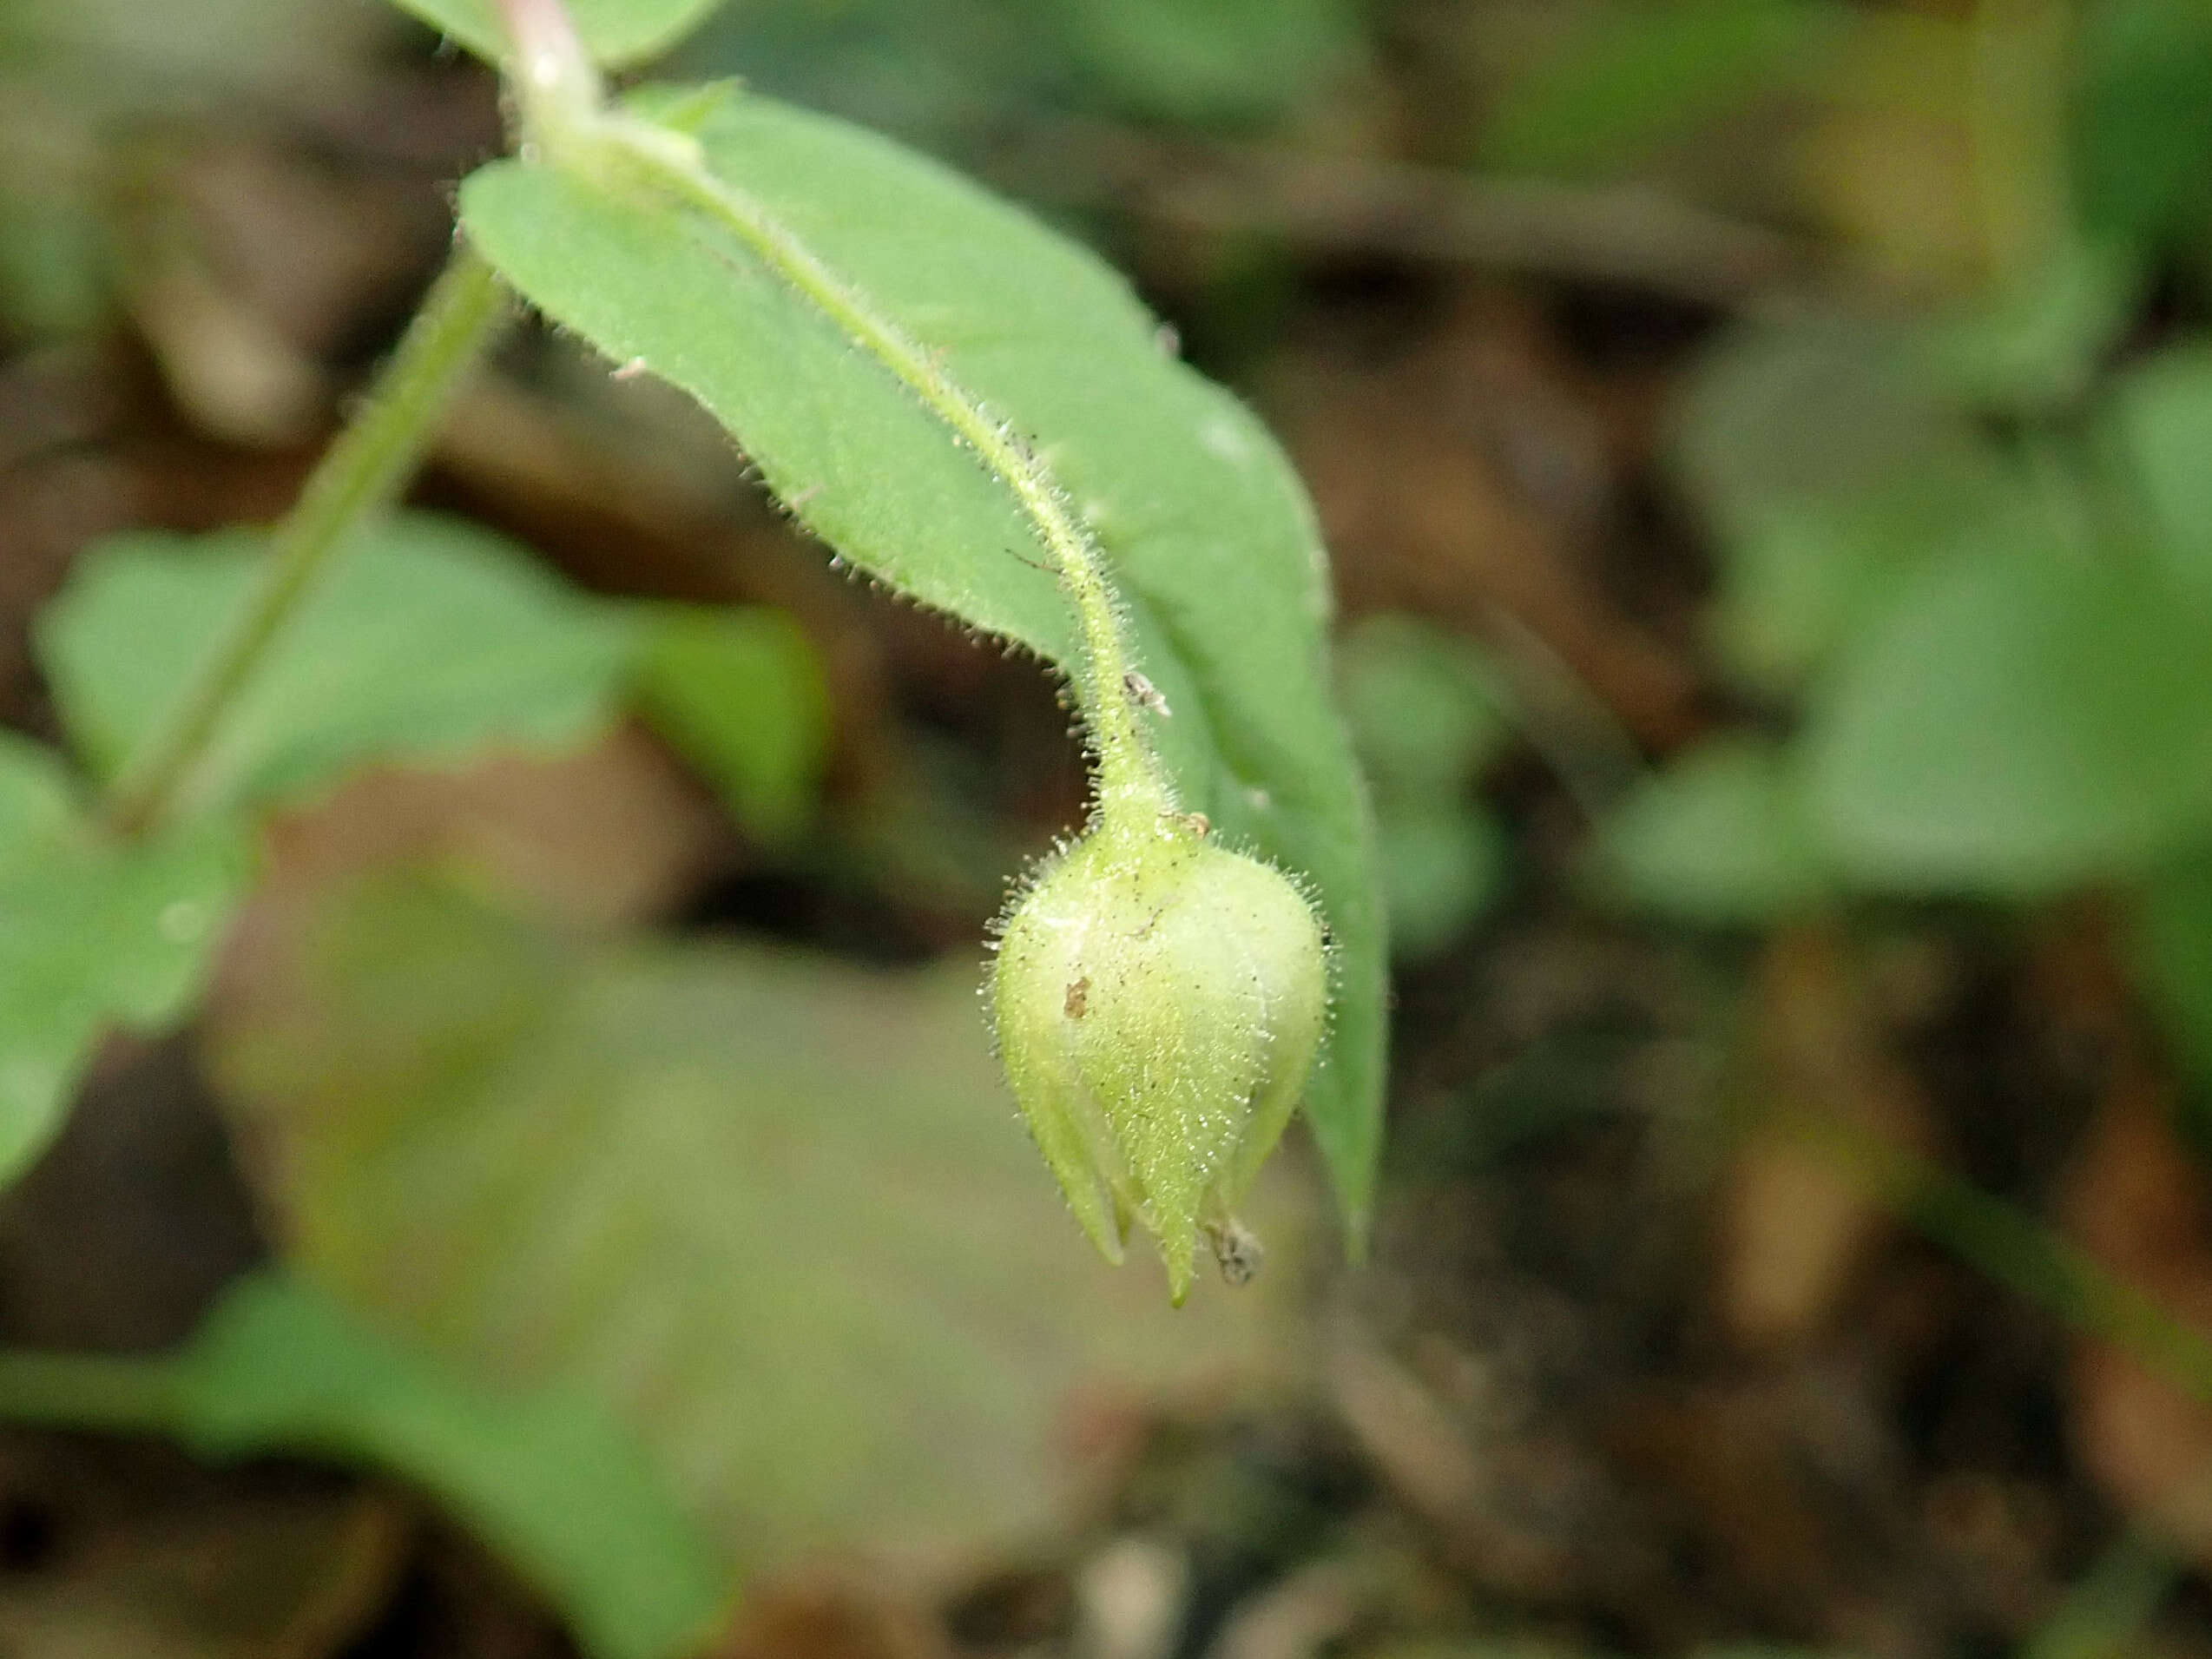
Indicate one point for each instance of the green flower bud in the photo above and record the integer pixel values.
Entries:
(1159, 1001)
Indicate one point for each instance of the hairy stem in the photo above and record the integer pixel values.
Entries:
(364, 471)
(555, 81)
(1132, 785)
(564, 122)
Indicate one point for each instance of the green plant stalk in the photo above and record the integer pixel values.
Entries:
(1133, 787)
(565, 124)
(557, 87)
(2106, 1610)
(359, 476)
(2028, 1259)
(65, 1391)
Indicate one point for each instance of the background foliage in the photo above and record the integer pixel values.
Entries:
(1761, 449)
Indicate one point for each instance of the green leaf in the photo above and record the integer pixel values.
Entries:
(2027, 720)
(1640, 74)
(52, 278)
(1426, 717)
(1816, 574)
(1719, 837)
(2143, 120)
(546, 1476)
(938, 73)
(1200, 61)
(2038, 342)
(1211, 539)
(38, 807)
(1818, 407)
(428, 640)
(92, 935)
(1424, 708)
(740, 693)
(1830, 468)
(2162, 421)
(779, 1213)
(1441, 868)
(617, 32)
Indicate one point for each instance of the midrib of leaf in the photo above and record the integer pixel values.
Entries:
(1128, 769)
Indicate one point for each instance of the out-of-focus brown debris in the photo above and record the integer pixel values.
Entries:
(1462, 478)
(2137, 1203)
(1474, 1498)
(831, 1615)
(1799, 1223)
(1371, 205)
(272, 1576)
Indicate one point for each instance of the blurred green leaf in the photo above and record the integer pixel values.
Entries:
(1206, 61)
(1719, 837)
(740, 693)
(2026, 720)
(547, 1477)
(1441, 870)
(946, 75)
(428, 640)
(952, 75)
(618, 32)
(1819, 407)
(92, 934)
(2161, 420)
(2143, 134)
(1830, 468)
(780, 1214)
(38, 804)
(2107, 1612)
(1212, 539)
(1422, 704)
(52, 279)
(2037, 344)
(1640, 74)
(1425, 718)
(1817, 573)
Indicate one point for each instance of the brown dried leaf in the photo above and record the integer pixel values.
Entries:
(2137, 1203)
(1799, 1222)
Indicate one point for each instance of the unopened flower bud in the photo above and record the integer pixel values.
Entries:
(1159, 1002)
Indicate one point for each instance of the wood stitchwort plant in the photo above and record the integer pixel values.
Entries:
(1158, 999)
(961, 405)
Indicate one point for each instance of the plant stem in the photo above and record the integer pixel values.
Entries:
(1133, 786)
(555, 81)
(2106, 1609)
(565, 122)
(2029, 1258)
(72, 1391)
(362, 473)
